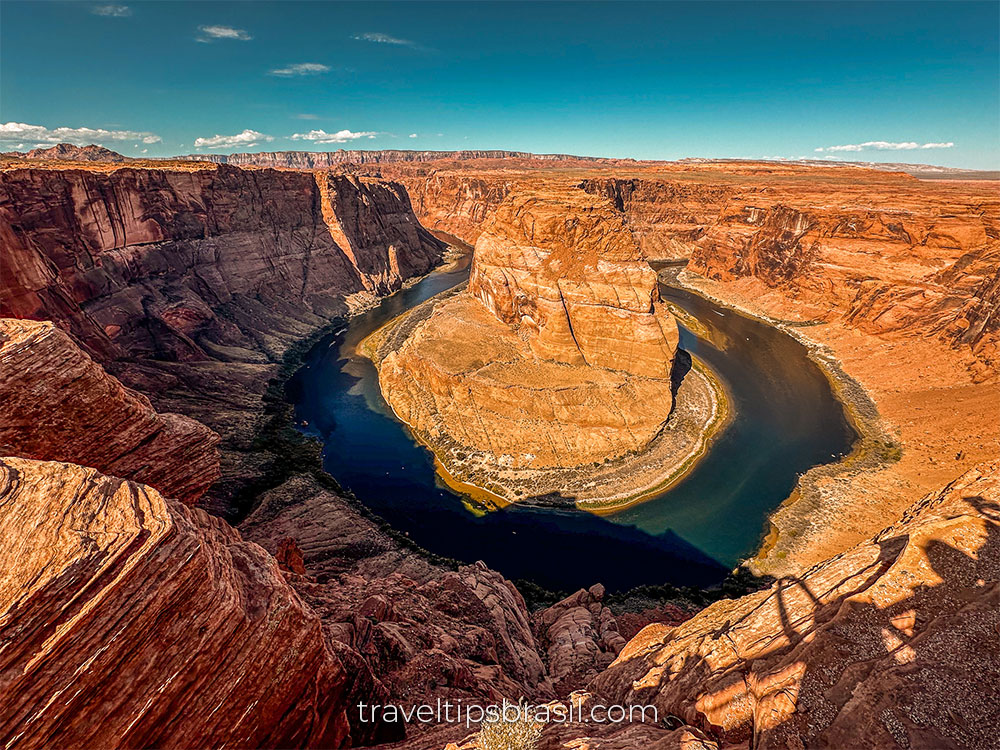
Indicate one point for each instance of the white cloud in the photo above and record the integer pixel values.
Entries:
(413, 135)
(384, 39)
(301, 69)
(306, 116)
(114, 11)
(884, 146)
(341, 136)
(248, 139)
(222, 32)
(15, 132)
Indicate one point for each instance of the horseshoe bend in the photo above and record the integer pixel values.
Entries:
(309, 440)
(553, 372)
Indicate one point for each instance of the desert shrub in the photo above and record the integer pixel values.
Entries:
(523, 733)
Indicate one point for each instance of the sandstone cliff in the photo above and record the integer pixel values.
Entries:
(927, 265)
(58, 404)
(128, 620)
(564, 270)
(190, 283)
(665, 216)
(876, 646)
(558, 355)
(180, 265)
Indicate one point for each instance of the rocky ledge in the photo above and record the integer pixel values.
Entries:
(553, 373)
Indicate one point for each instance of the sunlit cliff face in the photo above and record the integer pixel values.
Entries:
(559, 354)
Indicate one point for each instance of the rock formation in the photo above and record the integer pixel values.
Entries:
(873, 647)
(58, 404)
(327, 159)
(926, 266)
(559, 355)
(69, 152)
(564, 270)
(129, 620)
(181, 265)
(190, 283)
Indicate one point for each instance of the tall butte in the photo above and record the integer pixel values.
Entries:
(558, 355)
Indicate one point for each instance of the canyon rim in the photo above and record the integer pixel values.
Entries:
(499, 355)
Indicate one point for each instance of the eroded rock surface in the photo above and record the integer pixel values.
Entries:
(190, 282)
(876, 646)
(130, 620)
(173, 264)
(58, 404)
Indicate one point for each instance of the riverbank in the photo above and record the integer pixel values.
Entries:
(700, 411)
(918, 412)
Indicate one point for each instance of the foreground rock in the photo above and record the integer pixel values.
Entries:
(876, 646)
(61, 405)
(559, 355)
(129, 620)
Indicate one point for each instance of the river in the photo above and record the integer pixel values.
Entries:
(786, 420)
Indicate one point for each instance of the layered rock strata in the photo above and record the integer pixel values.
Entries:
(327, 159)
(928, 266)
(558, 355)
(872, 647)
(58, 404)
(882, 251)
(174, 265)
(190, 283)
(129, 620)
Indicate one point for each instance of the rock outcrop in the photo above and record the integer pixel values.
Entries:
(192, 265)
(558, 355)
(580, 638)
(563, 270)
(60, 405)
(872, 647)
(419, 631)
(129, 620)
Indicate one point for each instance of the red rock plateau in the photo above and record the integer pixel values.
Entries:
(130, 619)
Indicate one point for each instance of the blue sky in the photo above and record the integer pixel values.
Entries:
(891, 81)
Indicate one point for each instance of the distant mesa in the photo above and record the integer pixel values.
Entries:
(69, 152)
(327, 159)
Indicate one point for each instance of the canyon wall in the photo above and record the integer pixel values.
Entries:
(180, 265)
(881, 251)
(190, 283)
(927, 266)
(327, 159)
(664, 216)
